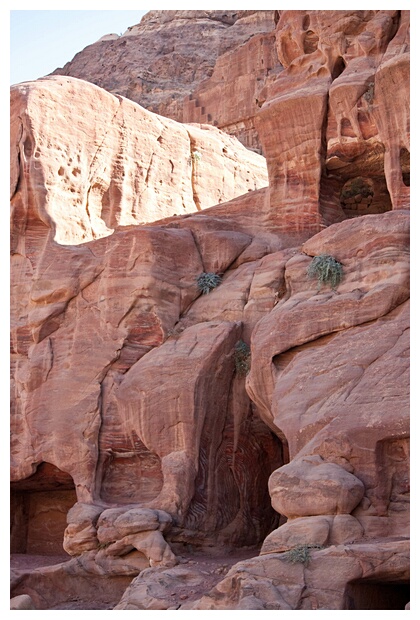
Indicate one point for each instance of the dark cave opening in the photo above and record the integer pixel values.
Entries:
(405, 166)
(338, 68)
(38, 510)
(365, 594)
(344, 197)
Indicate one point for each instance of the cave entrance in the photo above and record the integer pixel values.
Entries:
(365, 594)
(38, 510)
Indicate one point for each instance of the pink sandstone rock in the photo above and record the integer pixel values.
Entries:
(309, 486)
(127, 399)
(272, 582)
(315, 531)
(88, 313)
(119, 164)
(23, 601)
(231, 97)
(160, 61)
(337, 64)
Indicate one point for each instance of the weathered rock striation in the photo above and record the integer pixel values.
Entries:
(232, 96)
(83, 326)
(345, 85)
(160, 61)
(119, 165)
(152, 422)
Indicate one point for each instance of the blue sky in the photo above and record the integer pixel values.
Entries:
(43, 40)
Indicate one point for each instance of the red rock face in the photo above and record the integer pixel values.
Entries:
(230, 98)
(160, 61)
(89, 314)
(129, 396)
(349, 156)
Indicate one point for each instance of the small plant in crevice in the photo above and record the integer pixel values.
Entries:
(358, 185)
(242, 358)
(196, 155)
(370, 92)
(206, 282)
(326, 269)
(300, 554)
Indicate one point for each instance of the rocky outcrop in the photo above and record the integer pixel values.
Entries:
(160, 61)
(269, 411)
(23, 601)
(346, 425)
(124, 320)
(342, 162)
(357, 575)
(231, 98)
(118, 165)
(95, 323)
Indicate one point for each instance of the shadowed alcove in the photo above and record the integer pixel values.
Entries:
(365, 594)
(38, 511)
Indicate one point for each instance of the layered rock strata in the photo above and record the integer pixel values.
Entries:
(345, 85)
(231, 98)
(160, 61)
(118, 165)
(96, 321)
(131, 404)
(345, 491)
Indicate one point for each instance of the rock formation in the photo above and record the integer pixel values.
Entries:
(333, 88)
(154, 423)
(159, 63)
(120, 165)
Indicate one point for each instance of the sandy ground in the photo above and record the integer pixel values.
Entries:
(212, 567)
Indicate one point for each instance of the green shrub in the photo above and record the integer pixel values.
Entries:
(242, 358)
(355, 186)
(326, 270)
(206, 282)
(299, 554)
(196, 155)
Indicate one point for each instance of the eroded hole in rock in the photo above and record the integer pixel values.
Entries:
(306, 22)
(27, 147)
(310, 42)
(364, 195)
(38, 511)
(346, 129)
(376, 595)
(405, 166)
(338, 68)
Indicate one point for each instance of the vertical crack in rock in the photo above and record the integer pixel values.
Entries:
(397, 22)
(89, 217)
(19, 165)
(194, 159)
(149, 171)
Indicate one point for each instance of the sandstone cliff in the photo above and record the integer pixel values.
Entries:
(120, 165)
(159, 63)
(153, 421)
